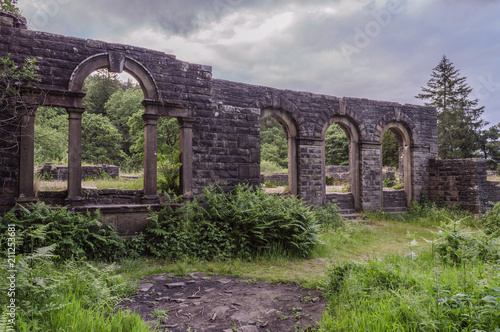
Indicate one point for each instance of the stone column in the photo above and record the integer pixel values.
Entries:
(407, 174)
(186, 149)
(150, 158)
(354, 169)
(27, 159)
(75, 155)
(292, 166)
(371, 176)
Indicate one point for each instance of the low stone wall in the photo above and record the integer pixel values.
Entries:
(464, 182)
(339, 174)
(94, 196)
(60, 172)
(492, 173)
(281, 178)
(345, 201)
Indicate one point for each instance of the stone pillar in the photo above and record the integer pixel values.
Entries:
(292, 166)
(371, 176)
(354, 169)
(420, 158)
(407, 174)
(310, 170)
(75, 155)
(186, 149)
(150, 158)
(27, 159)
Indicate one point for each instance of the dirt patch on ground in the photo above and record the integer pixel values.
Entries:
(216, 303)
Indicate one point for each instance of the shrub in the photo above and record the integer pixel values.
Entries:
(455, 245)
(491, 220)
(329, 216)
(267, 166)
(388, 183)
(76, 296)
(243, 222)
(169, 172)
(74, 235)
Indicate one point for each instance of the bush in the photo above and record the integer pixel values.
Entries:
(329, 216)
(169, 169)
(74, 235)
(267, 166)
(243, 222)
(455, 245)
(491, 220)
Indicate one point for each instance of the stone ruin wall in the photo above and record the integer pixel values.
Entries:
(226, 118)
(60, 172)
(463, 182)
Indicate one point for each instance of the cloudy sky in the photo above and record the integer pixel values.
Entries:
(377, 49)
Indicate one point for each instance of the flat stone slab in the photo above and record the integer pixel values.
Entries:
(176, 285)
(145, 287)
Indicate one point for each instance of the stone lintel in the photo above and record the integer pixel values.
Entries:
(52, 98)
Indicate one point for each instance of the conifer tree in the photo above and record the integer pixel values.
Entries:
(459, 117)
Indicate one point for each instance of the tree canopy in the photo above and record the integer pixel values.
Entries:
(461, 132)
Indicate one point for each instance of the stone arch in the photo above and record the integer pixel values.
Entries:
(397, 116)
(353, 136)
(289, 124)
(116, 63)
(404, 137)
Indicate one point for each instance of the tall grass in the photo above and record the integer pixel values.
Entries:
(454, 286)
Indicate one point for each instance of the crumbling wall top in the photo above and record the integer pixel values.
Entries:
(13, 20)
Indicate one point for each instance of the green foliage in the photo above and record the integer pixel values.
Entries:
(169, 172)
(75, 295)
(12, 76)
(168, 138)
(329, 217)
(390, 150)
(51, 135)
(456, 245)
(401, 294)
(273, 142)
(100, 86)
(74, 235)
(9, 6)
(460, 133)
(243, 222)
(268, 167)
(101, 141)
(491, 220)
(388, 183)
(120, 106)
(336, 146)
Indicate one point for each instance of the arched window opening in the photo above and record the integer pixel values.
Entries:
(337, 160)
(393, 174)
(340, 163)
(396, 168)
(274, 156)
(108, 132)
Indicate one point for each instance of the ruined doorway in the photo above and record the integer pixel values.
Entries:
(340, 147)
(278, 152)
(396, 172)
